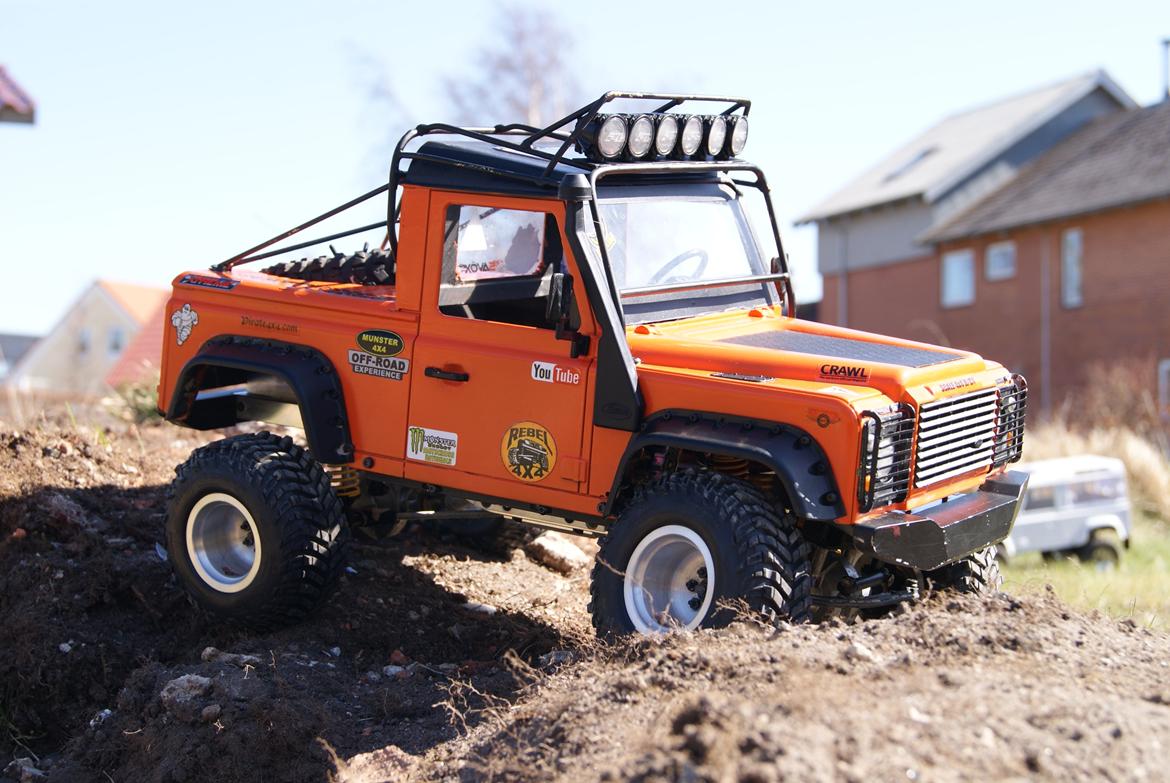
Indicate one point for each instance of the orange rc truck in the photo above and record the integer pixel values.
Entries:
(578, 327)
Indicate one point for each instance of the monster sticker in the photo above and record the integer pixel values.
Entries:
(184, 320)
(528, 451)
(427, 445)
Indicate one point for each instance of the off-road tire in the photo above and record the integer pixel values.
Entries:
(299, 519)
(1100, 553)
(366, 267)
(977, 574)
(759, 555)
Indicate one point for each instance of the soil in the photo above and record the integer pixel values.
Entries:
(437, 660)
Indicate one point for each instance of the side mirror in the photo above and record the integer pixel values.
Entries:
(559, 311)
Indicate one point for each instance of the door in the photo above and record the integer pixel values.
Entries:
(497, 405)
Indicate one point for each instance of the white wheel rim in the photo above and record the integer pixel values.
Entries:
(223, 542)
(664, 586)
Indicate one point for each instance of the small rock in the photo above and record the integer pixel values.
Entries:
(66, 647)
(448, 668)
(554, 550)
(178, 695)
(392, 670)
(24, 770)
(859, 652)
(399, 658)
(351, 570)
(334, 652)
(161, 552)
(100, 718)
(388, 763)
(918, 717)
(211, 713)
(19, 533)
(477, 608)
(556, 658)
(210, 654)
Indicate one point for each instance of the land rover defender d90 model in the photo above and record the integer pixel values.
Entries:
(579, 327)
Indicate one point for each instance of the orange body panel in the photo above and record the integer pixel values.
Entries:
(461, 433)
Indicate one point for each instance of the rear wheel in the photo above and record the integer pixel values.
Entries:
(977, 573)
(254, 530)
(689, 543)
(1102, 555)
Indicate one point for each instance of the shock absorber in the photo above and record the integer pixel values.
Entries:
(344, 480)
(736, 467)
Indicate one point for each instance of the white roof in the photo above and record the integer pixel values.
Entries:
(959, 145)
(1061, 469)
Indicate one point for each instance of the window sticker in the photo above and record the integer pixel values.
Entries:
(493, 243)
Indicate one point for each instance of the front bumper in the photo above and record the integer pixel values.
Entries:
(947, 532)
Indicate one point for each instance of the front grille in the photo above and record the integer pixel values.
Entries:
(955, 436)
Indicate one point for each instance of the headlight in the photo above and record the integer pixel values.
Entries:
(716, 135)
(611, 137)
(641, 135)
(667, 135)
(739, 133)
(884, 477)
(692, 135)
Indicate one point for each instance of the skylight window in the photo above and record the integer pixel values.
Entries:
(920, 156)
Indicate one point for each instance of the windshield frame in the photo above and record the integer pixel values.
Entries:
(780, 276)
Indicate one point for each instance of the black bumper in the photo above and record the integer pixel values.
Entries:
(947, 532)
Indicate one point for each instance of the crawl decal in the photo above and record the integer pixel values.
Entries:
(207, 281)
(844, 372)
(528, 451)
(184, 320)
(380, 342)
(547, 372)
(427, 445)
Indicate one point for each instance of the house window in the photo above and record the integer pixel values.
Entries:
(84, 338)
(117, 339)
(1000, 261)
(958, 278)
(1071, 260)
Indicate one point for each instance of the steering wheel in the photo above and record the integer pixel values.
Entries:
(695, 252)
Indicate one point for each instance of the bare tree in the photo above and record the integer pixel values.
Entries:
(521, 71)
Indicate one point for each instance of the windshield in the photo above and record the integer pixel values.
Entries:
(658, 235)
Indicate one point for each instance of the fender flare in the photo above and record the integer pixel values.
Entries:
(229, 359)
(796, 457)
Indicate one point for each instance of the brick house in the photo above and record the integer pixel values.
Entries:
(15, 104)
(879, 237)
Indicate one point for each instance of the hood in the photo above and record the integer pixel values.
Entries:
(762, 343)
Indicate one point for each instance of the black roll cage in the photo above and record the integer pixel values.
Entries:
(505, 136)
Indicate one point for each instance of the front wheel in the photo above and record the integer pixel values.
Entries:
(254, 531)
(977, 573)
(690, 544)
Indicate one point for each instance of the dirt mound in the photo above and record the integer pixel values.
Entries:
(954, 689)
(440, 661)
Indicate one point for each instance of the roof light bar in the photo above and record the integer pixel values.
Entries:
(663, 135)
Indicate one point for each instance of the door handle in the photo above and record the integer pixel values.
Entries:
(446, 375)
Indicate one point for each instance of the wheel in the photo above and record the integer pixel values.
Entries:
(689, 542)
(254, 531)
(1102, 555)
(977, 573)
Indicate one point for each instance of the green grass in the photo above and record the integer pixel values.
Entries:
(1139, 588)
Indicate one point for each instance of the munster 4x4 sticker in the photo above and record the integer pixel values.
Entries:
(528, 451)
(379, 355)
(430, 445)
(380, 342)
(184, 320)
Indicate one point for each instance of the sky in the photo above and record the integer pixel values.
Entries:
(170, 136)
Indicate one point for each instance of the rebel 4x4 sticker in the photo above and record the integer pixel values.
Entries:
(547, 372)
(184, 320)
(528, 451)
(380, 342)
(844, 372)
(427, 445)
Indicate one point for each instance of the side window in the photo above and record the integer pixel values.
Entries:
(1040, 498)
(498, 263)
(958, 278)
(1000, 261)
(1071, 257)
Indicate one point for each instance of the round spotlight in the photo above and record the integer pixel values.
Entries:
(667, 135)
(739, 133)
(611, 136)
(692, 135)
(716, 135)
(641, 136)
